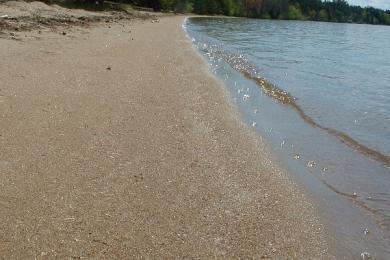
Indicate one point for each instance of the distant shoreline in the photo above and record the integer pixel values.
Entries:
(314, 10)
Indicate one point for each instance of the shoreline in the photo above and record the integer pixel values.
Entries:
(146, 158)
(337, 206)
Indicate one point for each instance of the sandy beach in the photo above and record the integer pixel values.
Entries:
(117, 143)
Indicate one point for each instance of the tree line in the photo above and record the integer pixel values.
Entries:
(315, 10)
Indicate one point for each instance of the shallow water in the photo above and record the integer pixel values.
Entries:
(320, 94)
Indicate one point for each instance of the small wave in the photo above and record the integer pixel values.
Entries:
(250, 71)
(382, 218)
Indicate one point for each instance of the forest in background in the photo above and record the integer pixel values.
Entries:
(314, 10)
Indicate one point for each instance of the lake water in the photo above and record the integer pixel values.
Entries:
(319, 93)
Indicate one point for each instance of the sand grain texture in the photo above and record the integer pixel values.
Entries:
(147, 159)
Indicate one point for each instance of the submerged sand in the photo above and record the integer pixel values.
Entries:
(117, 143)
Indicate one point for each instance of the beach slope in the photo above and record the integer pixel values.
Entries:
(116, 142)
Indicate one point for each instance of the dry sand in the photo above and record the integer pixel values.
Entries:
(147, 159)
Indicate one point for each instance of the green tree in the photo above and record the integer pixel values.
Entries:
(228, 7)
(294, 13)
(322, 15)
(167, 4)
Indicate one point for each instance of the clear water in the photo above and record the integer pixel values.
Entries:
(320, 92)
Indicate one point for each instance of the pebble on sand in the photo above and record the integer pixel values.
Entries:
(365, 255)
(311, 164)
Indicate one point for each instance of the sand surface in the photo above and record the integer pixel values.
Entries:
(144, 159)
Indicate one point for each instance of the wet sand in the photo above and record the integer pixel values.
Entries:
(116, 142)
